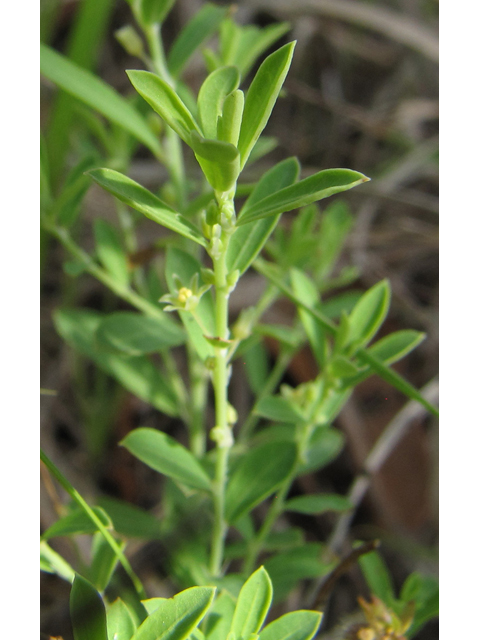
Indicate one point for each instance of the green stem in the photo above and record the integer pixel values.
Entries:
(155, 46)
(198, 398)
(222, 431)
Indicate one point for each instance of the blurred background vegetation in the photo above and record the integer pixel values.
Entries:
(362, 93)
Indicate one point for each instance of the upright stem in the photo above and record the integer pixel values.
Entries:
(222, 432)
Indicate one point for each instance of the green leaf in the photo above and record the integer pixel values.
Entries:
(253, 604)
(230, 122)
(335, 224)
(296, 625)
(256, 366)
(220, 617)
(316, 187)
(104, 562)
(139, 198)
(324, 447)
(424, 591)
(211, 97)
(318, 504)
(249, 239)
(395, 380)
(279, 409)
(201, 26)
(152, 604)
(135, 334)
(334, 306)
(110, 251)
(176, 618)
(96, 94)
(120, 622)
(163, 99)
(396, 345)
(167, 456)
(76, 523)
(369, 313)
(378, 577)
(129, 520)
(87, 611)
(220, 161)
(307, 291)
(258, 474)
(150, 12)
(261, 98)
(341, 367)
(249, 43)
(289, 567)
(139, 375)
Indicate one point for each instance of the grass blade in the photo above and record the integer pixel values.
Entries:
(95, 93)
(73, 493)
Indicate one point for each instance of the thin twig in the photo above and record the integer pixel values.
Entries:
(342, 567)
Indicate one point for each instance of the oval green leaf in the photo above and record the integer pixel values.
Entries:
(230, 122)
(296, 625)
(377, 575)
(129, 520)
(307, 291)
(163, 99)
(279, 409)
(135, 334)
(176, 618)
(369, 313)
(87, 611)
(321, 185)
(253, 603)
(258, 474)
(249, 239)
(261, 97)
(139, 198)
(120, 622)
(325, 445)
(220, 617)
(137, 374)
(396, 345)
(211, 97)
(167, 456)
(88, 88)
